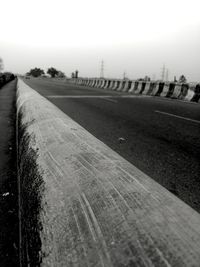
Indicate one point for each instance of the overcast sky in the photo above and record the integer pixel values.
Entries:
(136, 37)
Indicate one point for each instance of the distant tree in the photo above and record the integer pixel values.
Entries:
(61, 74)
(36, 72)
(73, 75)
(76, 74)
(182, 79)
(53, 72)
(147, 79)
(1, 64)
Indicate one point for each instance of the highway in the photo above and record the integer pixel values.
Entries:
(159, 136)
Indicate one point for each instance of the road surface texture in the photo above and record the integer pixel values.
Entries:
(8, 177)
(159, 136)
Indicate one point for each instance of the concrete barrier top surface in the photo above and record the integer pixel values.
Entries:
(97, 209)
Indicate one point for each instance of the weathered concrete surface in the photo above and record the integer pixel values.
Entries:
(97, 209)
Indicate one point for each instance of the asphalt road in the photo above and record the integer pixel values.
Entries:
(159, 136)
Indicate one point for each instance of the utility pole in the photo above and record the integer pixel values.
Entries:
(163, 73)
(102, 69)
(154, 77)
(124, 75)
(167, 75)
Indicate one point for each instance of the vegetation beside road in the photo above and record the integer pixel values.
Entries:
(53, 72)
(8, 177)
(5, 78)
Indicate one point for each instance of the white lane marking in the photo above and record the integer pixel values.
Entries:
(111, 100)
(96, 96)
(134, 96)
(176, 116)
(104, 97)
(79, 96)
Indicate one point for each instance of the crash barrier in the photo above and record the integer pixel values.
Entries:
(127, 86)
(81, 204)
(187, 92)
(5, 78)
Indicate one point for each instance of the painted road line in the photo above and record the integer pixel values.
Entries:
(176, 116)
(95, 96)
(110, 100)
(106, 97)
(79, 96)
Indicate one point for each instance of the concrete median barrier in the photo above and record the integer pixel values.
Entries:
(189, 95)
(147, 87)
(103, 84)
(165, 89)
(143, 87)
(187, 92)
(177, 90)
(90, 83)
(196, 96)
(154, 89)
(134, 87)
(86, 82)
(96, 83)
(151, 86)
(106, 84)
(121, 86)
(81, 204)
(93, 82)
(160, 87)
(99, 83)
(184, 91)
(139, 87)
(171, 90)
(116, 85)
(111, 84)
(127, 86)
(131, 87)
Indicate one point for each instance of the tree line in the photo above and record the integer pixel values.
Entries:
(53, 72)
(5, 77)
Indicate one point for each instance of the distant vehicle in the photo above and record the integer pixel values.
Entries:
(27, 77)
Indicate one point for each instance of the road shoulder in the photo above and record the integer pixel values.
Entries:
(8, 177)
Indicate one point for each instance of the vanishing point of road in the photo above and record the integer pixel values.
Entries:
(159, 136)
